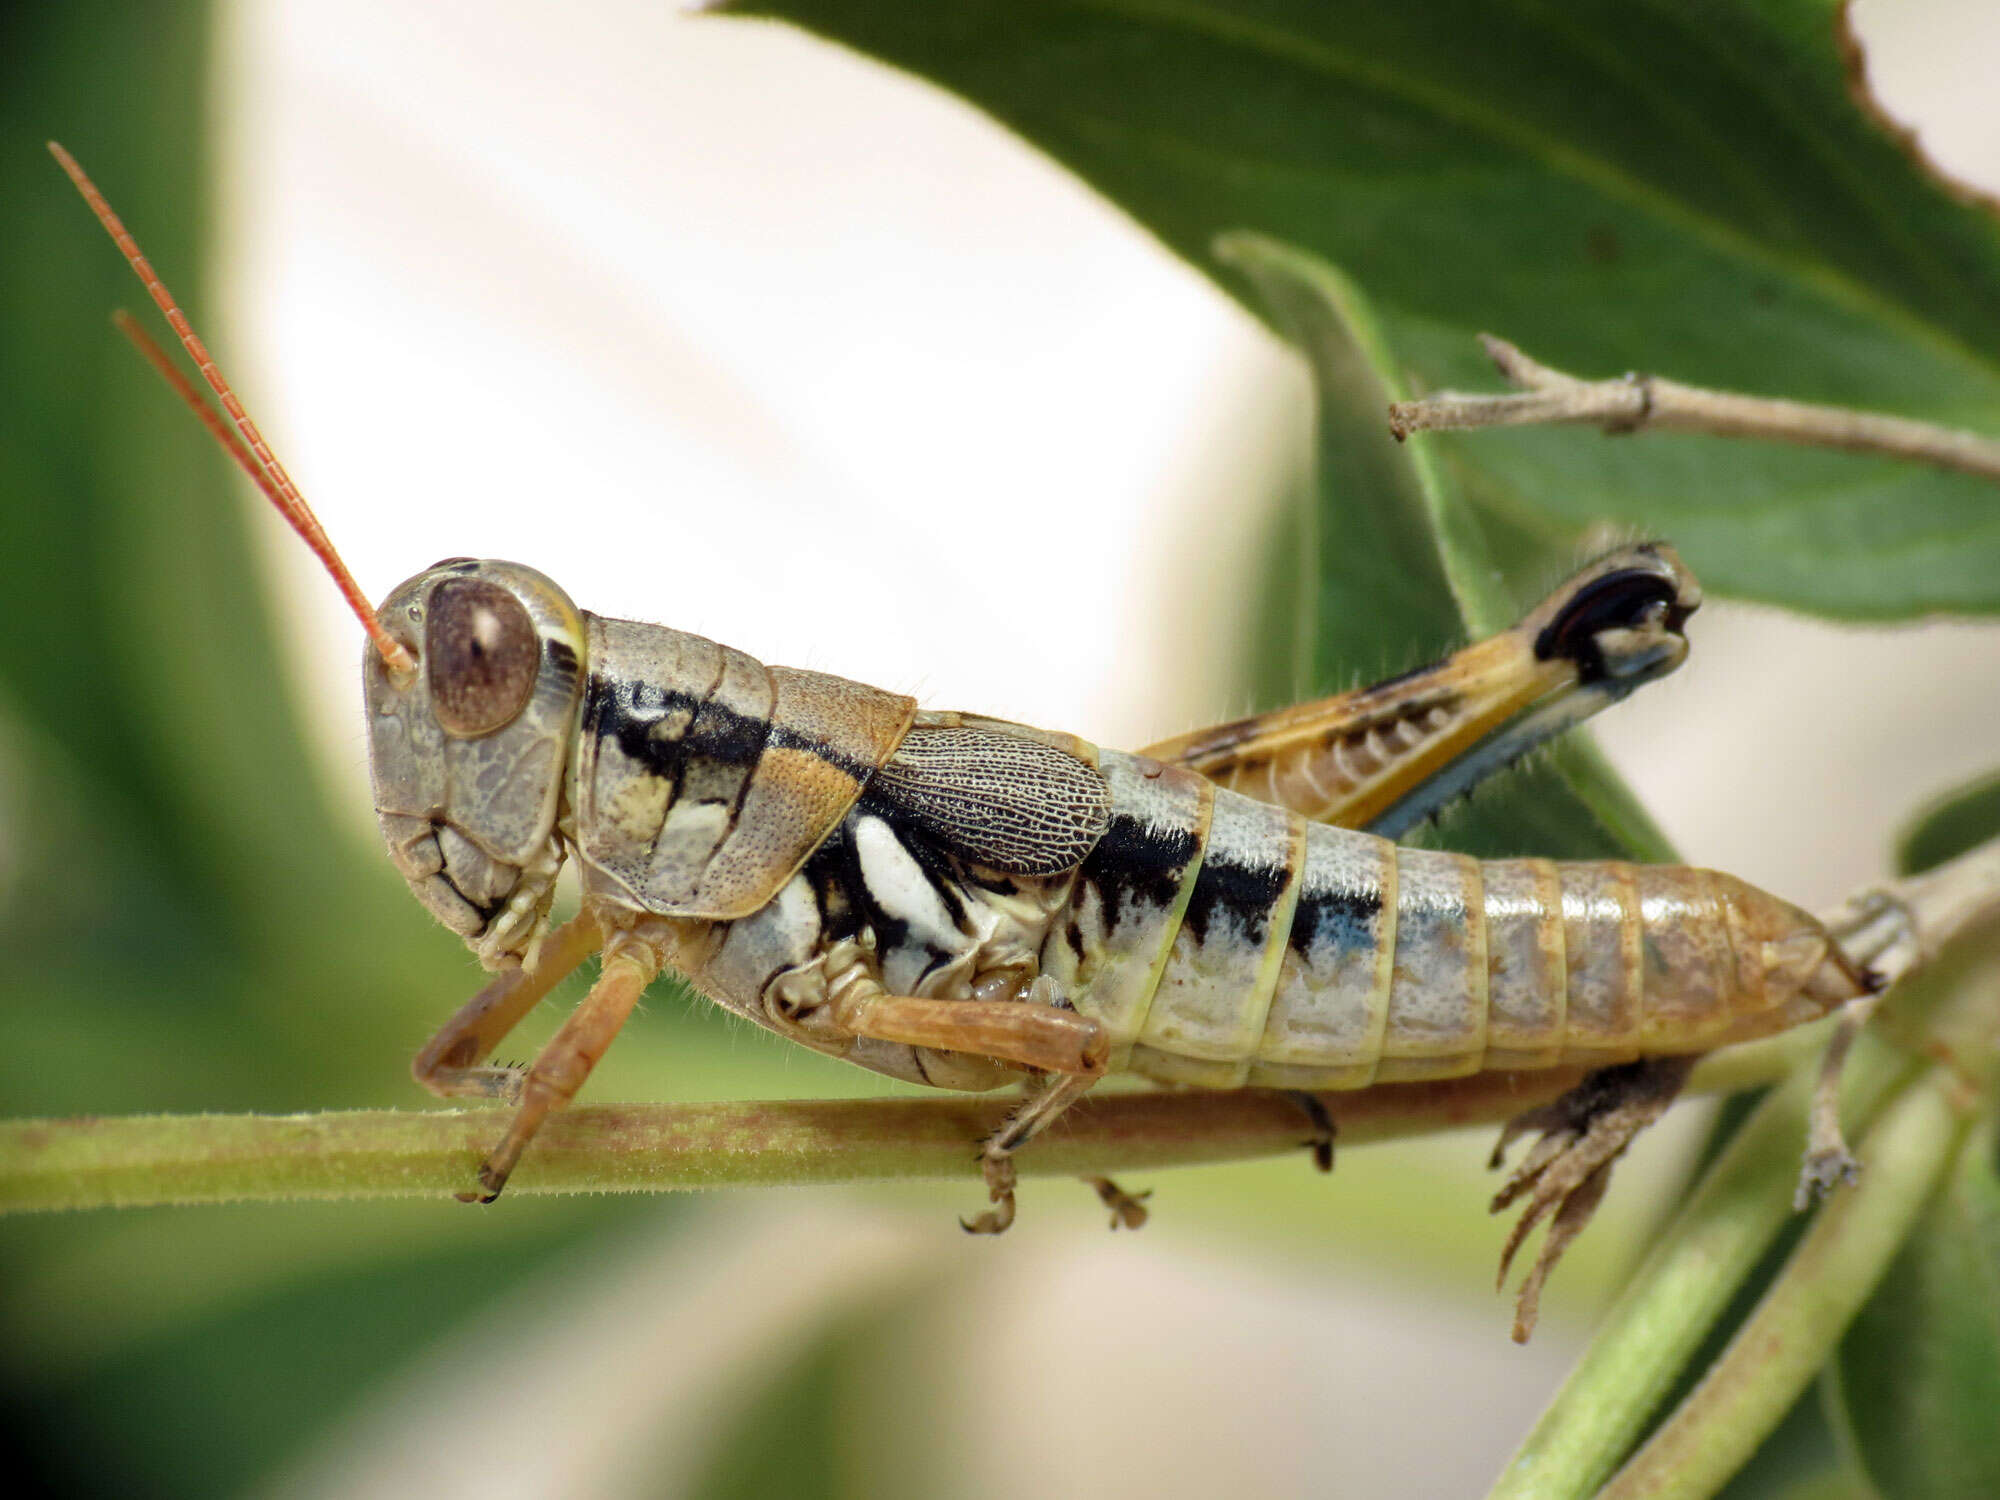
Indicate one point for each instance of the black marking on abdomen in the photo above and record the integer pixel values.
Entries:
(1349, 919)
(1138, 864)
(1246, 893)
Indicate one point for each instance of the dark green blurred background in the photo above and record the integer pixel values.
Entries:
(188, 925)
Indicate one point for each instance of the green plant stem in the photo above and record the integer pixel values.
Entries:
(1791, 1334)
(1685, 1284)
(138, 1160)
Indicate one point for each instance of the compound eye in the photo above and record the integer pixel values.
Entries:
(1629, 599)
(481, 651)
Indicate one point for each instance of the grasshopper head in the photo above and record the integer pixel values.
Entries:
(469, 747)
(473, 677)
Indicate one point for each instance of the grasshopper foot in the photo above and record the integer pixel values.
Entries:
(1128, 1210)
(999, 1170)
(1564, 1177)
(1824, 1169)
(492, 1180)
(1320, 1141)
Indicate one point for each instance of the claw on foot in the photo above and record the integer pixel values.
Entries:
(1564, 1176)
(999, 1170)
(993, 1221)
(492, 1180)
(1128, 1210)
(1824, 1169)
(1320, 1142)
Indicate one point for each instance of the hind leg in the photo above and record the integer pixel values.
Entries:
(1565, 1175)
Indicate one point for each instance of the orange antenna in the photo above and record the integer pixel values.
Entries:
(218, 429)
(264, 466)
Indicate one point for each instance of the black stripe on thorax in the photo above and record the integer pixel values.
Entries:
(626, 713)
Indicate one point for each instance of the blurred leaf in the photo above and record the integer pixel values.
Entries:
(1798, 1461)
(1917, 1381)
(141, 666)
(1396, 571)
(211, 1401)
(1950, 825)
(804, 1401)
(1688, 190)
(1385, 542)
(185, 924)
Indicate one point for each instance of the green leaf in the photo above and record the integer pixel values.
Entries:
(804, 1399)
(1386, 543)
(1393, 570)
(1959, 820)
(1917, 1380)
(1610, 184)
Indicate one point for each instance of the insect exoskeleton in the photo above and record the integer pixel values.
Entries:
(469, 749)
(813, 839)
(690, 779)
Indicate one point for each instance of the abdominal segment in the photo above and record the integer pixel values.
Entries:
(1226, 943)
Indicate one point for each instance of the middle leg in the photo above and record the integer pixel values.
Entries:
(1047, 1099)
(1066, 1051)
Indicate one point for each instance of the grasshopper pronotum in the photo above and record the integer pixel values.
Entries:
(967, 903)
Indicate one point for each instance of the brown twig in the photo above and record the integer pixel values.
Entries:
(1635, 403)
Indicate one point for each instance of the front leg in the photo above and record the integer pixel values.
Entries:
(452, 1063)
(559, 1070)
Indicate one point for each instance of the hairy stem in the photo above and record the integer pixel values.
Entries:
(1636, 403)
(153, 1159)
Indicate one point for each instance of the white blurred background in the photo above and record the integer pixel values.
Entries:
(725, 328)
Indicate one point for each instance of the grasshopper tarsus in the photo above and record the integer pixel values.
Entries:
(1128, 1210)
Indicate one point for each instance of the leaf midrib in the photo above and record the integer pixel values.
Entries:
(1553, 153)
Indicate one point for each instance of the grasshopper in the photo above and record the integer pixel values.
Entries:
(967, 903)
